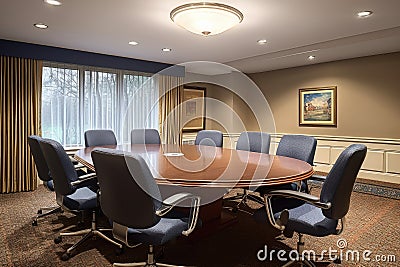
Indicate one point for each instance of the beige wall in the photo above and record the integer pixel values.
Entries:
(230, 110)
(368, 91)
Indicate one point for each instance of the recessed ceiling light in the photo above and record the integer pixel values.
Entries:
(311, 57)
(364, 14)
(262, 41)
(166, 49)
(53, 2)
(133, 43)
(40, 26)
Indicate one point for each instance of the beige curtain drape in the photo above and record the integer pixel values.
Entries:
(20, 104)
(171, 90)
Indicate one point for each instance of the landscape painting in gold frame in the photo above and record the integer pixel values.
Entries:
(318, 106)
(193, 115)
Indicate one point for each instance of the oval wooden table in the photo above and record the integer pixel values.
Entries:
(210, 172)
(195, 166)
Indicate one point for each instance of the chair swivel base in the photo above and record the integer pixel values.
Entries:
(87, 233)
(149, 263)
(40, 214)
(243, 200)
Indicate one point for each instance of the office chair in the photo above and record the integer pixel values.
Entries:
(209, 138)
(72, 193)
(145, 136)
(131, 199)
(44, 175)
(300, 147)
(318, 216)
(100, 138)
(253, 142)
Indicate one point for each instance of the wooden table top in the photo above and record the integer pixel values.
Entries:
(211, 166)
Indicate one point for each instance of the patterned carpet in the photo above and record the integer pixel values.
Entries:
(372, 224)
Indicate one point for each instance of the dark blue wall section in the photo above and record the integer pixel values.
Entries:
(63, 55)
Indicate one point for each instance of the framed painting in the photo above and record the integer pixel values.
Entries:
(318, 106)
(193, 115)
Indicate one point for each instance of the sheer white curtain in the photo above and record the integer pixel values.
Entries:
(79, 98)
(171, 91)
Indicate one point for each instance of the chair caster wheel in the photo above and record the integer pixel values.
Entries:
(58, 240)
(39, 212)
(34, 223)
(119, 251)
(65, 256)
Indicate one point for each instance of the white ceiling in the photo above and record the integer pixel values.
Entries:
(294, 29)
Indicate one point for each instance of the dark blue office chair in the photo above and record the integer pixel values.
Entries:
(44, 175)
(73, 193)
(145, 136)
(131, 199)
(100, 138)
(253, 142)
(300, 147)
(318, 216)
(209, 138)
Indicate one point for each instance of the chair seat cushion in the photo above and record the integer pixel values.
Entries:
(165, 230)
(305, 219)
(82, 199)
(308, 219)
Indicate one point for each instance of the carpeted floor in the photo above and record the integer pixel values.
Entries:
(372, 224)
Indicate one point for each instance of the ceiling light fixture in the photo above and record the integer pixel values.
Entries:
(206, 18)
(133, 43)
(262, 41)
(364, 14)
(40, 26)
(166, 49)
(53, 2)
(311, 57)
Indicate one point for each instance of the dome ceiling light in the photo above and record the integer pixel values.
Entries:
(206, 18)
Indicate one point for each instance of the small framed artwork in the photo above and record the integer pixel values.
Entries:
(193, 115)
(318, 106)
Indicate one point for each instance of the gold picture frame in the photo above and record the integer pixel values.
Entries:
(318, 106)
(193, 115)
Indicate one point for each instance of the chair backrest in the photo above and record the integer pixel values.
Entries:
(61, 168)
(300, 147)
(38, 157)
(129, 193)
(100, 138)
(254, 142)
(209, 138)
(339, 182)
(145, 136)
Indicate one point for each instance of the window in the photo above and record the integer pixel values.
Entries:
(79, 98)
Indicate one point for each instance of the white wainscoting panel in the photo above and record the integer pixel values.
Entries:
(393, 162)
(322, 155)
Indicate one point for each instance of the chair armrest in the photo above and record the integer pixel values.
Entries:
(86, 176)
(284, 216)
(79, 166)
(84, 179)
(174, 200)
(301, 196)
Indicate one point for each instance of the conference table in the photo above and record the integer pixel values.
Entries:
(210, 172)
